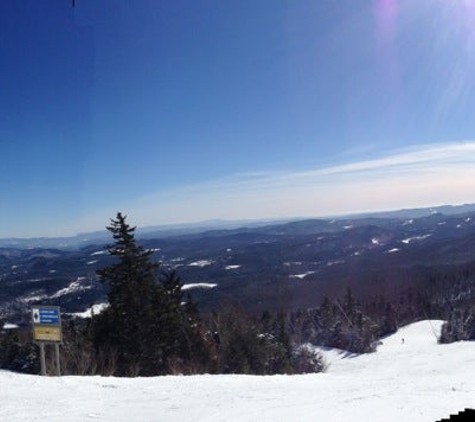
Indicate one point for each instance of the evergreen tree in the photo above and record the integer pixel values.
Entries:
(145, 326)
(283, 355)
(389, 323)
(131, 282)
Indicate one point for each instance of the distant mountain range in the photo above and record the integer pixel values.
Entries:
(173, 230)
(263, 265)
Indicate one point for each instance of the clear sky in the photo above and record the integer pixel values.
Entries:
(183, 111)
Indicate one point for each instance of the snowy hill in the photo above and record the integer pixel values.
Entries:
(417, 380)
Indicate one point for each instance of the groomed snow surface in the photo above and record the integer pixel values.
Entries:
(414, 380)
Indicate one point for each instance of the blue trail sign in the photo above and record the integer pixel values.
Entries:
(46, 315)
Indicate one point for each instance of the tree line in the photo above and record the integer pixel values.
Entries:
(151, 328)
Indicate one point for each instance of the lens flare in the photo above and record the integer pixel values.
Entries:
(386, 13)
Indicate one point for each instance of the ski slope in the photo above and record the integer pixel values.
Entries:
(417, 380)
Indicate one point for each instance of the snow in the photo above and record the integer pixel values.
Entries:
(392, 250)
(232, 267)
(100, 253)
(73, 287)
(418, 380)
(338, 261)
(202, 263)
(94, 309)
(33, 298)
(199, 286)
(302, 276)
(8, 326)
(410, 239)
(288, 264)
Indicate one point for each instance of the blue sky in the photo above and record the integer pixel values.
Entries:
(183, 111)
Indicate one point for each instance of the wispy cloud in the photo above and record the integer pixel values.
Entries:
(401, 164)
(419, 176)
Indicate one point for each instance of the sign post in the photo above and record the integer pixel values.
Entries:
(47, 330)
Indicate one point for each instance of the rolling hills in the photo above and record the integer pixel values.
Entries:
(286, 265)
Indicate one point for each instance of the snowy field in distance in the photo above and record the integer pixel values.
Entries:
(417, 380)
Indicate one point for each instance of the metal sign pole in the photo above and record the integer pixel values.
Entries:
(58, 367)
(42, 359)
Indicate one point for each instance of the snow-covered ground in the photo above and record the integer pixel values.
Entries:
(93, 310)
(190, 286)
(414, 380)
(201, 264)
(303, 275)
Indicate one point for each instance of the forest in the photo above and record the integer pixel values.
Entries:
(151, 327)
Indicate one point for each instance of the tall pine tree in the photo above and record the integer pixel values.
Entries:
(146, 325)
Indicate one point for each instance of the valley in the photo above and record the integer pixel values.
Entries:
(276, 266)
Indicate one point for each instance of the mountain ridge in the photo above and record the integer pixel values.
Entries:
(173, 230)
